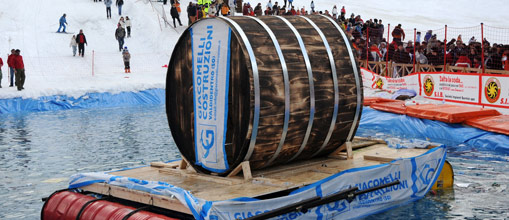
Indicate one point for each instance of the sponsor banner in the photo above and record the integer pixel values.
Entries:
(463, 88)
(495, 91)
(416, 176)
(211, 61)
(376, 81)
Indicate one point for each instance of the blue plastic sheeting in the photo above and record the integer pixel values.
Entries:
(374, 121)
(89, 100)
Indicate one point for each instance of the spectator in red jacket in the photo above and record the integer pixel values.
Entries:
(398, 34)
(11, 68)
(19, 70)
(463, 60)
(505, 60)
(81, 40)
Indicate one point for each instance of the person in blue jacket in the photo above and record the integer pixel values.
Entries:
(108, 8)
(63, 22)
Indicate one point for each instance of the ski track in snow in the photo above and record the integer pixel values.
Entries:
(30, 25)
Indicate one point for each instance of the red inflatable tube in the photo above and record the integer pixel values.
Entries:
(448, 113)
(370, 100)
(498, 124)
(396, 106)
(67, 205)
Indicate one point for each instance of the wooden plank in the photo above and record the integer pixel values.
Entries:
(245, 168)
(202, 177)
(164, 165)
(165, 202)
(378, 158)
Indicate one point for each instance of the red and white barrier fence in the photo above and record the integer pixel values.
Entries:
(484, 90)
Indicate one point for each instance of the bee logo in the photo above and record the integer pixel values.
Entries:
(492, 90)
(429, 85)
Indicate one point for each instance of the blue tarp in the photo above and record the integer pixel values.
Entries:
(89, 100)
(374, 121)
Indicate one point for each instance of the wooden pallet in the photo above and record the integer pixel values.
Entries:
(252, 183)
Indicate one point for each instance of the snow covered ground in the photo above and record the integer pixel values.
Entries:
(30, 25)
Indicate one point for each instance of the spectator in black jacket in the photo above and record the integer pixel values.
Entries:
(401, 55)
(434, 58)
(175, 15)
(191, 13)
(81, 40)
(119, 4)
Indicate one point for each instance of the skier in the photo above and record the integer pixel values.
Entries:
(128, 25)
(119, 35)
(81, 40)
(1, 64)
(108, 8)
(175, 15)
(119, 4)
(127, 57)
(74, 45)
(19, 70)
(63, 22)
(10, 58)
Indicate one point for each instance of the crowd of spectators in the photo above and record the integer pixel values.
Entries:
(370, 33)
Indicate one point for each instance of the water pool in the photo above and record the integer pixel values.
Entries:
(39, 151)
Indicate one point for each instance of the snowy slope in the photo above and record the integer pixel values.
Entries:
(51, 69)
(30, 25)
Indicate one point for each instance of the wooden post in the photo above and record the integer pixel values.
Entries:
(415, 58)
(245, 168)
(482, 46)
(445, 50)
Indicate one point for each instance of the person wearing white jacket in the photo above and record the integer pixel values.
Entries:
(74, 45)
(128, 26)
(232, 7)
(335, 12)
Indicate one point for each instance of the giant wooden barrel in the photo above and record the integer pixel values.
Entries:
(268, 90)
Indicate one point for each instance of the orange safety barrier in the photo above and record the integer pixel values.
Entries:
(448, 113)
(370, 100)
(395, 106)
(498, 124)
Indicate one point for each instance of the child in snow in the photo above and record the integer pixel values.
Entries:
(74, 45)
(127, 57)
(63, 22)
(128, 25)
